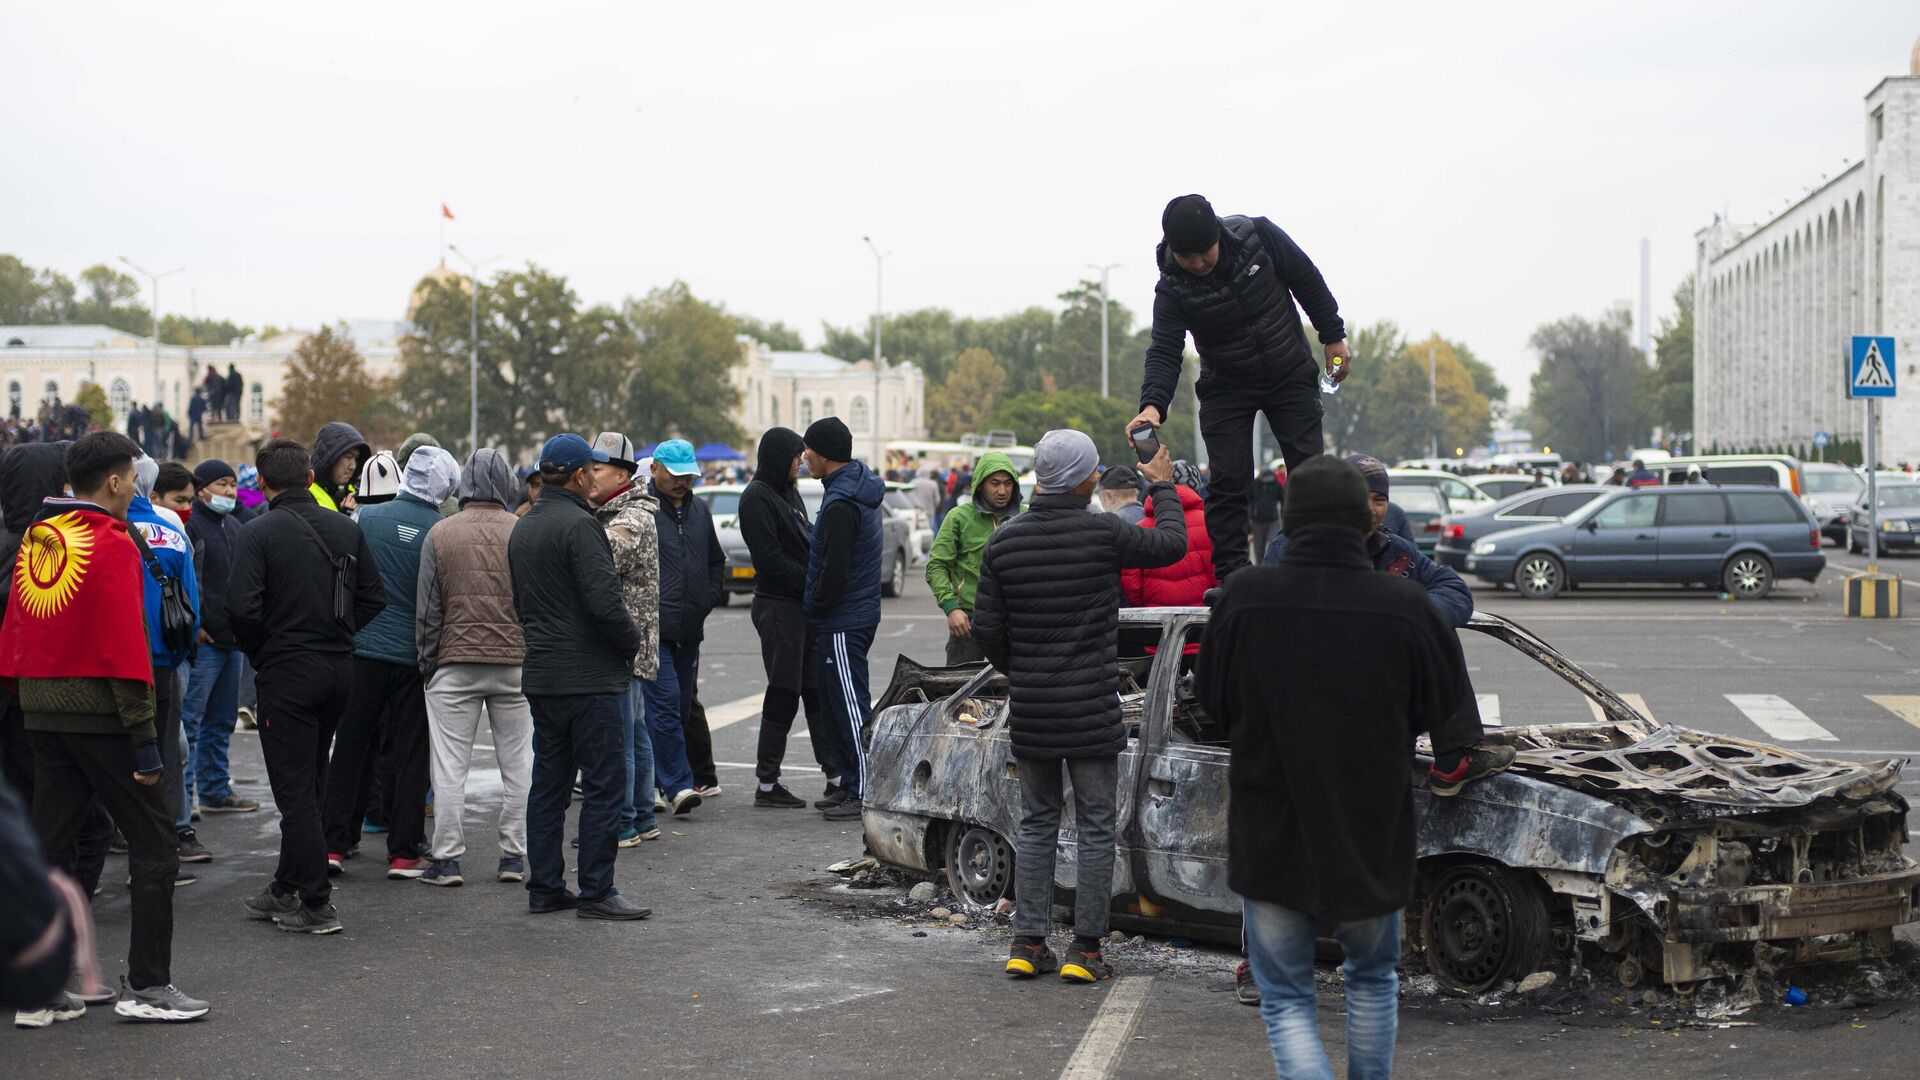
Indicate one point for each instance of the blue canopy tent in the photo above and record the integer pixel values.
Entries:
(714, 451)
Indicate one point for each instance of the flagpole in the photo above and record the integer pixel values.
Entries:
(443, 233)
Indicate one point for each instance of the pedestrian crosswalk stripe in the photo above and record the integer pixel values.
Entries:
(1778, 717)
(1639, 704)
(1489, 709)
(733, 712)
(1904, 706)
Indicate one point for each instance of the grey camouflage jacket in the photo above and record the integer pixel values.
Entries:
(635, 539)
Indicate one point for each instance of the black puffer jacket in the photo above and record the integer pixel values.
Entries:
(1242, 315)
(773, 520)
(1048, 614)
(692, 569)
(29, 475)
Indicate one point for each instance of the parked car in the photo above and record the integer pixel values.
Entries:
(724, 500)
(1740, 539)
(920, 535)
(1899, 505)
(1672, 855)
(1460, 531)
(1459, 494)
(1779, 470)
(1831, 491)
(1424, 507)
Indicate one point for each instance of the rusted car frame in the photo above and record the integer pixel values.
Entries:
(1673, 854)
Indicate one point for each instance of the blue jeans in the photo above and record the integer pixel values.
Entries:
(1280, 951)
(636, 810)
(669, 695)
(208, 716)
(574, 733)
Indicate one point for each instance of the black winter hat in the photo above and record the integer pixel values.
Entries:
(1189, 225)
(830, 438)
(1326, 491)
(1374, 470)
(211, 470)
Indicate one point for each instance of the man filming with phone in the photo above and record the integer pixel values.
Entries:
(1233, 284)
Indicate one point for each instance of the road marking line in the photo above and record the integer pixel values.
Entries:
(1639, 704)
(1777, 717)
(1904, 706)
(1098, 1054)
(785, 768)
(1489, 709)
(733, 712)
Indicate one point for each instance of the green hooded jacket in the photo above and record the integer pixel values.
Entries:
(953, 568)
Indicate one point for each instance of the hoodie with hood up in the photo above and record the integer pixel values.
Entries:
(465, 594)
(953, 567)
(843, 572)
(773, 520)
(335, 441)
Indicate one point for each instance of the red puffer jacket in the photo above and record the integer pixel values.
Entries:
(1185, 582)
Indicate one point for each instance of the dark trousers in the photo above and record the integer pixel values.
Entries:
(699, 736)
(301, 699)
(70, 772)
(843, 687)
(166, 721)
(574, 733)
(1043, 798)
(790, 653)
(1292, 409)
(389, 705)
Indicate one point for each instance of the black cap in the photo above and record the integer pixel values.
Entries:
(1326, 491)
(830, 438)
(1119, 478)
(1189, 225)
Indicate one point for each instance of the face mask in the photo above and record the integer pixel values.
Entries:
(185, 514)
(222, 504)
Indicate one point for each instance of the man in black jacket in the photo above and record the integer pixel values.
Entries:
(580, 648)
(1321, 815)
(1048, 614)
(773, 521)
(691, 568)
(1232, 283)
(283, 597)
(212, 702)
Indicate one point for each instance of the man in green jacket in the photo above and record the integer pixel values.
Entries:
(953, 569)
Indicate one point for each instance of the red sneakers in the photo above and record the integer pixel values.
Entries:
(402, 869)
(336, 864)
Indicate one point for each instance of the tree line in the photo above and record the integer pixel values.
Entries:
(102, 296)
(1595, 397)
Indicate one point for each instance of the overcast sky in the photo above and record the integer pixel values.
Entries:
(1476, 169)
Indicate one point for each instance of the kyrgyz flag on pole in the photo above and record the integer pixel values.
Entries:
(76, 609)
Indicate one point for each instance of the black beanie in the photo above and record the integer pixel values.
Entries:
(830, 438)
(1326, 491)
(1189, 225)
(209, 471)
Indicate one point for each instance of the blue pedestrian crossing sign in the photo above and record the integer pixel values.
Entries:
(1870, 372)
(1821, 438)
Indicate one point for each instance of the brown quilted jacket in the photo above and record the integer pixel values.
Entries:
(465, 613)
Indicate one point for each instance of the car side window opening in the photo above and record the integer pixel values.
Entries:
(1694, 510)
(1190, 722)
(1764, 508)
(1530, 508)
(1559, 506)
(1741, 474)
(1634, 512)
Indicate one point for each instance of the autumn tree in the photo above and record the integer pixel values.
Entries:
(33, 297)
(685, 351)
(965, 401)
(774, 335)
(1463, 418)
(110, 298)
(94, 399)
(327, 380)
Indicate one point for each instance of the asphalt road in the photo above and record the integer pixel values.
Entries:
(759, 964)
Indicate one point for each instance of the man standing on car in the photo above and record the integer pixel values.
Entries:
(1232, 283)
(843, 598)
(1048, 615)
(692, 573)
(953, 567)
(773, 522)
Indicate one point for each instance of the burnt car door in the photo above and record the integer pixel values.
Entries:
(1177, 842)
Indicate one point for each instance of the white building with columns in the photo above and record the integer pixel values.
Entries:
(793, 389)
(1775, 303)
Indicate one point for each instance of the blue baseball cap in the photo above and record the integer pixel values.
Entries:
(676, 456)
(565, 453)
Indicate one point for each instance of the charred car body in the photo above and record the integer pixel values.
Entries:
(1675, 855)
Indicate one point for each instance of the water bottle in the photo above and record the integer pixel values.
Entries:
(1327, 385)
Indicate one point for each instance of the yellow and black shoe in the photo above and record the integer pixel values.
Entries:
(1029, 958)
(1085, 966)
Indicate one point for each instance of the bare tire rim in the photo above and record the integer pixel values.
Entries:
(980, 867)
(1471, 931)
(1539, 575)
(1749, 576)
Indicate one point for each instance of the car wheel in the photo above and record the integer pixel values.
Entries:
(1482, 925)
(1539, 576)
(896, 582)
(979, 866)
(1748, 576)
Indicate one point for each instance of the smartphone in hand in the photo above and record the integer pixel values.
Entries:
(1146, 442)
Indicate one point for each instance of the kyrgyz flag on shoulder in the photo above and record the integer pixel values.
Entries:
(76, 609)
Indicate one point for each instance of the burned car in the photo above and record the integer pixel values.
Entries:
(1671, 855)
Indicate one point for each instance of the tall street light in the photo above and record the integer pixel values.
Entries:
(1103, 322)
(153, 279)
(473, 345)
(879, 281)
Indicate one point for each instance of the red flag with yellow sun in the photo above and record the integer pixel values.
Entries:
(76, 608)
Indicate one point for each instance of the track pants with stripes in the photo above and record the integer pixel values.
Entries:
(843, 690)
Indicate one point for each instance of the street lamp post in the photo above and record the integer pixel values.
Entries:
(879, 282)
(1433, 397)
(153, 279)
(473, 346)
(1103, 322)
